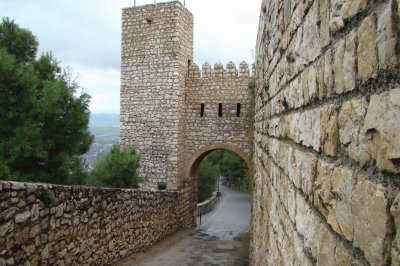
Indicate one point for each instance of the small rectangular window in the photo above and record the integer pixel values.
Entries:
(188, 66)
(238, 109)
(202, 109)
(220, 109)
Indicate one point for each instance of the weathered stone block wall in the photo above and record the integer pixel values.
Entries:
(327, 134)
(81, 225)
(157, 46)
(212, 87)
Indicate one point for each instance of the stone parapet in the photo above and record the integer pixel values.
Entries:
(42, 224)
(208, 205)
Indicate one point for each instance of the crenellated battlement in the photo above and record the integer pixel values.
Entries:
(230, 71)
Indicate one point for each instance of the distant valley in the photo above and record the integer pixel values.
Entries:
(105, 129)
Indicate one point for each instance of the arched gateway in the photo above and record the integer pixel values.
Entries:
(195, 160)
(171, 111)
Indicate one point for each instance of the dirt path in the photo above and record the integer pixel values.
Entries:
(222, 239)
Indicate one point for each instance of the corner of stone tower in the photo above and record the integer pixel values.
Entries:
(157, 50)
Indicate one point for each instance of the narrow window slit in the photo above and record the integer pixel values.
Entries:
(202, 109)
(238, 106)
(220, 109)
(188, 67)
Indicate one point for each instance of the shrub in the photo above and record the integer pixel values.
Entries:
(118, 169)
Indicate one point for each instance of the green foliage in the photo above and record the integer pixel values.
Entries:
(118, 169)
(207, 180)
(221, 163)
(44, 125)
(232, 165)
(234, 170)
(48, 198)
(19, 42)
(216, 157)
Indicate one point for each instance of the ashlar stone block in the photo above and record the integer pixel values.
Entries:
(326, 248)
(387, 36)
(308, 225)
(333, 197)
(331, 251)
(311, 42)
(367, 56)
(344, 64)
(370, 131)
(301, 169)
(351, 8)
(342, 256)
(328, 73)
(381, 127)
(395, 212)
(351, 120)
(329, 130)
(369, 207)
(316, 128)
(324, 31)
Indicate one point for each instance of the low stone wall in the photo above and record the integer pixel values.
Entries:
(208, 205)
(43, 224)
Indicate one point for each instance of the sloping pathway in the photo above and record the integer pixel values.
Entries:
(221, 239)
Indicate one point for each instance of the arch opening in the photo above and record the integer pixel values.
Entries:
(216, 166)
(195, 161)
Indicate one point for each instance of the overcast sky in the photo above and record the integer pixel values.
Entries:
(86, 36)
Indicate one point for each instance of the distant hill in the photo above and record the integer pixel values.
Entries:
(105, 128)
(104, 120)
(105, 135)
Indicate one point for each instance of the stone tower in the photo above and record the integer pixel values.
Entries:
(157, 49)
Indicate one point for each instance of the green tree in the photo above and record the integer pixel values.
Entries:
(215, 157)
(232, 165)
(118, 169)
(221, 163)
(19, 42)
(233, 169)
(44, 125)
(207, 179)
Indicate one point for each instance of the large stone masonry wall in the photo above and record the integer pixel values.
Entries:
(212, 86)
(327, 134)
(85, 226)
(157, 46)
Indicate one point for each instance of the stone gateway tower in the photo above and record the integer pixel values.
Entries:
(157, 46)
(172, 112)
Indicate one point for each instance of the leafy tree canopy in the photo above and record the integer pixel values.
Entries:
(44, 126)
(19, 42)
(220, 163)
(118, 169)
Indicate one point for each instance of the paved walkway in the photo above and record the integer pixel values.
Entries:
(221, 239)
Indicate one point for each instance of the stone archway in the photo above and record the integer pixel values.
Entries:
(195, 160)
